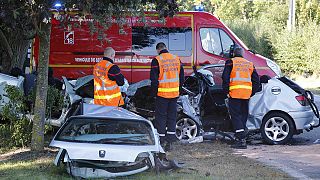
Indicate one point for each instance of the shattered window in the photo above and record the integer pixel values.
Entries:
(102, 131)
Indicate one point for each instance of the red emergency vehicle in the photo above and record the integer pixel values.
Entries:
(198, 38)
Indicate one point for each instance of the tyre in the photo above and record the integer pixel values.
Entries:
(186, 128)
(277, 128)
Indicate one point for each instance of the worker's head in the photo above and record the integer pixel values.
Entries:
(160, 46)
(237, 51)
(109, 52)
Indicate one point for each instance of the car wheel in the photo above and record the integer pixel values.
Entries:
(186, 128)
(277, 128)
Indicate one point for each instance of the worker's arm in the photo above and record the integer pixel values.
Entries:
(154, 76)
(226, 76)
(255, 81)
(114, 74)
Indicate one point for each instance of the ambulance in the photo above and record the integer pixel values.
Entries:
(198, 38)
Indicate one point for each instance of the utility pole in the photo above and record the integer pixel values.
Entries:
(292, 17)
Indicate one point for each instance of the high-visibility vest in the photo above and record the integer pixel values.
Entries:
(240, 86)
(106, 92)
(169, 66)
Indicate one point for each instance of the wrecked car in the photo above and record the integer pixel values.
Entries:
(278, 111)
(107, 142)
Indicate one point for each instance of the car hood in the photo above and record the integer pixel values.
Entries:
(88, 151)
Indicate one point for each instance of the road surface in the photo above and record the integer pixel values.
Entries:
(300, 158)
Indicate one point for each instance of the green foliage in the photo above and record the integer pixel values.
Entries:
(16, 104)
(307, 10)
(298, 52)
(253, 35)
(262, 26)
(15, 127)
(54, 102)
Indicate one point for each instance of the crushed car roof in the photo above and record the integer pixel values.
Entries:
(92, 110)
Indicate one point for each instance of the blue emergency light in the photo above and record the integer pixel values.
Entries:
(57, 5)
(199, 7)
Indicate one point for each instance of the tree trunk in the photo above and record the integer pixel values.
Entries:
(15, 48)
(37, 142)
(19, 48)
(7, 54)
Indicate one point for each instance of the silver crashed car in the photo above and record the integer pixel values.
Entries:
(279, 110)
(106, 142)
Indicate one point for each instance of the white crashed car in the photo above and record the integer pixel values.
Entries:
(106, 142)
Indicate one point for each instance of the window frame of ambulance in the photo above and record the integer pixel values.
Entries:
(217, 35)
(178, 40)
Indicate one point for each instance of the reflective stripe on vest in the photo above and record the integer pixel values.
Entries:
(108, 96)
(238, 78)
(168, 89)
(168, 86)
(104, 88)
(240, 87)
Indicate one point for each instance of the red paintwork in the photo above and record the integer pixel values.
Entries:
(86, 45)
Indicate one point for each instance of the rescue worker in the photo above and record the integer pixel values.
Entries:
(166, 77)
(107, 79)
(240, 82)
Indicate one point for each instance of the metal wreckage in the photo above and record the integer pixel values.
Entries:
(102, 142)
(97, 141)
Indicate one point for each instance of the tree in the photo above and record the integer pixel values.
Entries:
(32, 18)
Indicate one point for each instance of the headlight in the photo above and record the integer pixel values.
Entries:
(274, 67)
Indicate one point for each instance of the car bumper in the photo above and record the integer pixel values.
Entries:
(85, 172)
(303, 119)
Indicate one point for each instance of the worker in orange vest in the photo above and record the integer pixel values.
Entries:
(166, 77)
(107, 79)
(240, 82)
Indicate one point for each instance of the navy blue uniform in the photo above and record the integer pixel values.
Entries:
(239, 108)
(166, 109)
(114, 73)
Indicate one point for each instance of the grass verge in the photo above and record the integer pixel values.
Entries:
(208, 160)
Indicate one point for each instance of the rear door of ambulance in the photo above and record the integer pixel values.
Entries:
(75, 49)
(176, 33)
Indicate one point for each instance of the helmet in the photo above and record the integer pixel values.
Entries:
(236, 51)
(208, 76)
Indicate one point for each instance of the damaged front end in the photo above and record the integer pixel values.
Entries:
(107, 142)
(105, 169)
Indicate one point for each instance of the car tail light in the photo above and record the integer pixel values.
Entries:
(302, 100)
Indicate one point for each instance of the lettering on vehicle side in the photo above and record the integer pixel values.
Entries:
(276, 90)
(116, 60)
(87, 59)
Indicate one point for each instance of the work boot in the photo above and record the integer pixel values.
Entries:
(239, 144)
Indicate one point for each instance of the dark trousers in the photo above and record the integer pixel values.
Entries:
(165, 118)
(239, 110)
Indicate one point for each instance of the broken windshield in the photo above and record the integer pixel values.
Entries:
(106, 131)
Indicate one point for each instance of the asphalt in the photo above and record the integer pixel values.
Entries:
(300, 158)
